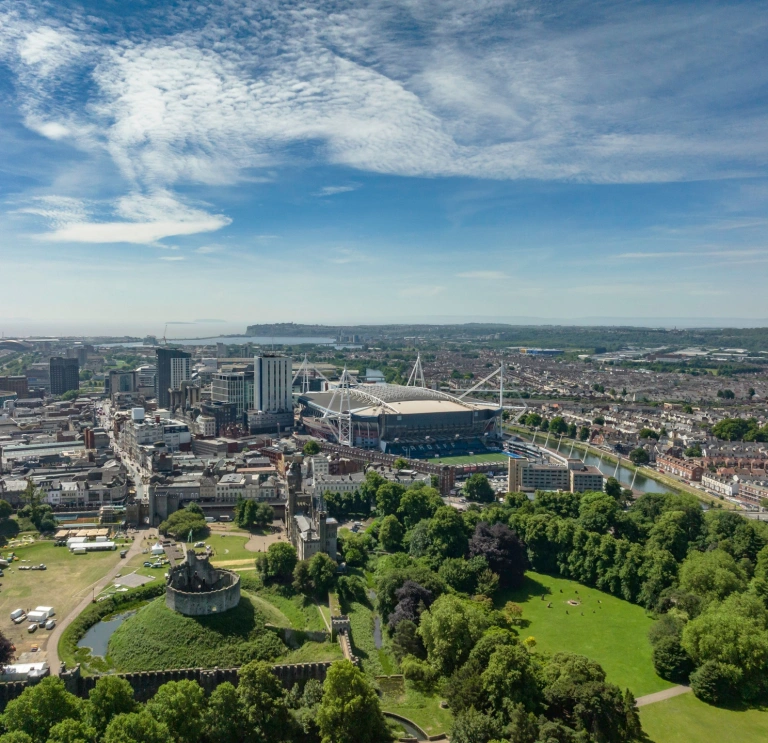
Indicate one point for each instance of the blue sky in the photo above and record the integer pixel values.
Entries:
(380, 161)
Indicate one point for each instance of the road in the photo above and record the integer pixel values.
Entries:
(52, 647)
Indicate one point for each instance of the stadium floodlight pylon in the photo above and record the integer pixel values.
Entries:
(416, 379)
(339, 411)
(303, 372)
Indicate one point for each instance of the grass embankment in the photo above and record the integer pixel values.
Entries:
(157, 638)
(604, 628)
(314, 652)
(685, 719)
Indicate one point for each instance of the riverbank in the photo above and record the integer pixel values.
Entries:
(651, 474)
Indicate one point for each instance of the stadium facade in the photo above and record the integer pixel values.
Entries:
(397, 418)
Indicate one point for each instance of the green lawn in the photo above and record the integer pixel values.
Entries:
(228, 547)
(611, 631)
(302, 613)
(685, 719)
(314, 652)
(423, 709)
(475, 458)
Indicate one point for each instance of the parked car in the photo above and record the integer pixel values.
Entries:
(32, 628)
(21, 619)
(147, 564)
(50, 624)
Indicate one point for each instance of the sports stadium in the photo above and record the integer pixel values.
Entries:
(416, 421)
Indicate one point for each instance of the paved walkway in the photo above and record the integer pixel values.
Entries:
(660, 696)
(52, 647)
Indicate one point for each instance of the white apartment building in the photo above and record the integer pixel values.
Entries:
(148, 432)
(720, 484)
(272, 383)
(180, 371)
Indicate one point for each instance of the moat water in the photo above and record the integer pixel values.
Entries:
(97, 637)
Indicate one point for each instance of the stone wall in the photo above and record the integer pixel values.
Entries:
(196, 588)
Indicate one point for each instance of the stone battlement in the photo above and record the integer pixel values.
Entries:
(196, 588)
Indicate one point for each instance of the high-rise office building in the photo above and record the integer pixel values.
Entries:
(272, 389)
(227, 386)
(17, 383)
(172, 369)
(65, 375)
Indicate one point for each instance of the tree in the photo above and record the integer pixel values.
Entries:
(558, 425)
(503, 550)
(449, 630)
(15, 737)
(734, 633)
(262, 700)
(532, 419)
(571, 433)
(477, 488)
(391, 533)
(412, 600)
(349, 711)
(180, 705)
(6, 650)
(40, 707)
(6, 509)
(712, 575)
(726, 394)
(281, 561)
(731, 429)
(302, 581)
(510, 677)
(322, 571)
(716, 683)
(400, 464)
(70, 395)
(136, 727)
(311, 448)
(583, 433)
(472, 726)
(183, 522)
(407, 641)
(648, 433)
(693, 451)
(462, 575)
(639, 456)
(417, 504)
(598, 511)
(613, 488)
(445, 534)
(223, 716)
(71, 731)
(671, 661)
(388, 498)
(110, 697)
(688, 409)
(598, 420)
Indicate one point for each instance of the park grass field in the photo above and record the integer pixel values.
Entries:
(301, 613)
(474, 459)
(685, 719)
(421, 708)
(63, 585)
(604, 628)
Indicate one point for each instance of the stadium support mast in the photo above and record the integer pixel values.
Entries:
(339, 411)
(416, 379)
(303, 372)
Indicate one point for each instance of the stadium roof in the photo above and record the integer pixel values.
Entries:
(375, 399)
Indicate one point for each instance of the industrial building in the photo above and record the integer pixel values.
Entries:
(417, 421)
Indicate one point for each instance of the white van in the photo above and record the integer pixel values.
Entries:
(210, 519)
(16, 613)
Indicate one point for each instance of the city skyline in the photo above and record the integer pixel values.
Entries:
(380, 162)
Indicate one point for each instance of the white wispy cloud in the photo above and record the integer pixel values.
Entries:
(333, 190)
(208, 93)
(171, 258)
(483, 275)
(693, 254)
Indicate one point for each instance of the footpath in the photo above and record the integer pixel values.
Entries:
(660, 696)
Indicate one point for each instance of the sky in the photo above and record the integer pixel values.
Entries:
(219, 164)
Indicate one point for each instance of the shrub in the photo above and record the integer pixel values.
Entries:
(716, 683)
(419, 671)
(671, 661)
